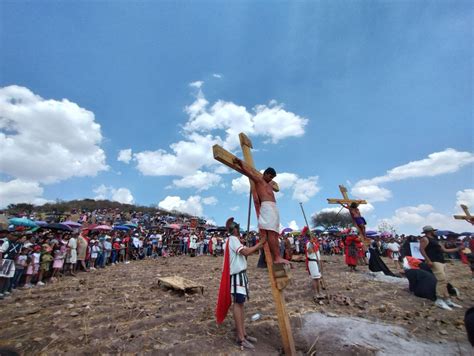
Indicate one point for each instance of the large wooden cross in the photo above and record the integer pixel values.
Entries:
(468, 217)
(346, 200)
(278, 277)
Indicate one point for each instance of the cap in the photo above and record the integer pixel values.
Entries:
(428, 228)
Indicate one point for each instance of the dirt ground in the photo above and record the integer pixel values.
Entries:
(122, 309)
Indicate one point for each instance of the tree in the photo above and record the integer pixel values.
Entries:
(21, 208)
(385, 226)
(331, 218)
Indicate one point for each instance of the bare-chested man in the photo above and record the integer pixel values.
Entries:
(356, 216)
(269, 219)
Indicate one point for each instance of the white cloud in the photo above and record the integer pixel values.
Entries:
(199, 180)
(371, 192)
(197, 84)
(125, 155)
(465, 197)
(192, 205)
(241, 185)
(217, 75)
(121, 195)
(235, 208)
(437, 163)
(18, 191)
(186, 159)
(411, 219)
(210, 201)
(47, 140)
(293, 225)
(303, 188)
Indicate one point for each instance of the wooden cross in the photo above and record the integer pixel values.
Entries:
(347, 200)
(468, 217)
(278, 277)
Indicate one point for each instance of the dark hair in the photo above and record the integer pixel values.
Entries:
(271, 171)
(354, 205)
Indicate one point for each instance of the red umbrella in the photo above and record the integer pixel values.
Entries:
(173, 226)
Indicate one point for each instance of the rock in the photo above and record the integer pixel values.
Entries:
(331, 315)
(74, 314)
(383, 308)
(57, 313)
(443, 332)
(38, 339)
(54, 336)
(70, 306)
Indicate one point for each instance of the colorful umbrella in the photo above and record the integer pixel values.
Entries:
(285, 230)
(56, 226)
(131, 225)
(370, 233)
(40, 223)
(22, 222)
(102, 227)
(71, 224)
(122, 227)
(173, 226)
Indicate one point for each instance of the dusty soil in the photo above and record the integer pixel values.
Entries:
(122, 309)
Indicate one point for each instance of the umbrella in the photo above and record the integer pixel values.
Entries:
(444, 233)
(40, 223)
(172, 226)
(185, 231)
(102, 227)
(71, 224)
(317, 230)
(130, 225)
(56, 226)
(22, 222)
(386, 234)
(121, 227)
(285, 230)
(370, 233)
(466, 233)
(333, 229)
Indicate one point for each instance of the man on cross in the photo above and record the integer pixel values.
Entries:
(269, 219)
(356, 216)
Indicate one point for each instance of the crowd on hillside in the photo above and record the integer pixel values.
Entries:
(104, 237)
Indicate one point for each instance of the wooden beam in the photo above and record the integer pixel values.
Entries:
(282, 315)
(346, 201)
(227, 158)
(467, 217)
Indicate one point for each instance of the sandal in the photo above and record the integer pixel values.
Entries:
(244, 344)
(250, 338)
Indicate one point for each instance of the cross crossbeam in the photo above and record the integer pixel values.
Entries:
(468, 217)
(277, 273)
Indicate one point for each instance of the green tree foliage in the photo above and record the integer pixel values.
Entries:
(331, 218)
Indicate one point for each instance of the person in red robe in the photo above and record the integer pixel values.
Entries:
(351, 253)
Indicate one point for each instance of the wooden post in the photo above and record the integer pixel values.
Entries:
(346, 200)
(227, 158)
(468, 217)
(282, 314)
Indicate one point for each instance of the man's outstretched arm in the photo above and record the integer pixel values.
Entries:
(247, 170)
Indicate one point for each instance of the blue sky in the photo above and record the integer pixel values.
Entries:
(374, 96)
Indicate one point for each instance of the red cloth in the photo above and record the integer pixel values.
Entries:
(351, 260)
(224, 300)
(210, 246)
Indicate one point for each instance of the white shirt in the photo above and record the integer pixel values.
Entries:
(238, 263)
(393, 246)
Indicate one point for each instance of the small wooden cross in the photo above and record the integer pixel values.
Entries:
(278, 277)
(468, 217)
(346, 200)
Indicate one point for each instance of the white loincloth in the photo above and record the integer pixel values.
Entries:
(269, 218)
(314, 270)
